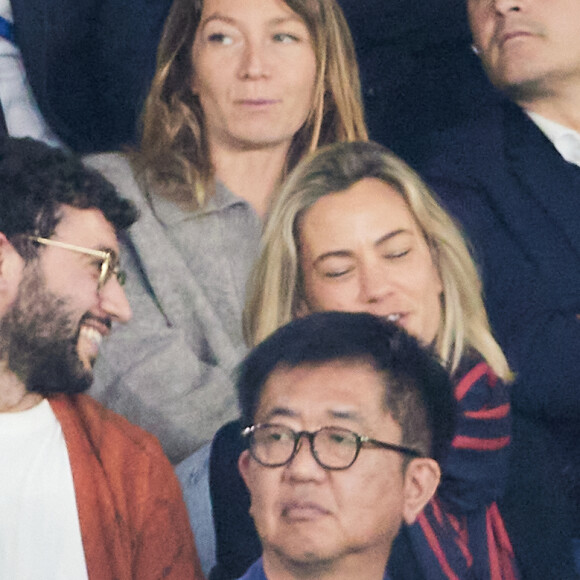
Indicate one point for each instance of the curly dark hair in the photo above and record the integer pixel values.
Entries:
(36, 180)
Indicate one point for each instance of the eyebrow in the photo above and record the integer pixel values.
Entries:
(229, 20)
(108, 249)
(347, 253)
(279, 412)
(350, 415)
(103, 249)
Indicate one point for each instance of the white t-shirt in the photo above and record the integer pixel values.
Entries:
(23, 117)
(40, 536)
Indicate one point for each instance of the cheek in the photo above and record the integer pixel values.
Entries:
(423, 279)
(62, 281)
(432, 308)
(303, 82)
(377, 511)
(263, 502)
(434, 283)
(481, 26)
(322, 295)
(205, 83)
(203, 87)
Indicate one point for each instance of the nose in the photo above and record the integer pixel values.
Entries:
(505, 6)
(114, 301)
(303, 466)
(254, 63)
(374, 280)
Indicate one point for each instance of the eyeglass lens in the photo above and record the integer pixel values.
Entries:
(332, 447)
(105, 270)
(110, 267)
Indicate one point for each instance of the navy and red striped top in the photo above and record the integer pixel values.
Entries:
(460, 535)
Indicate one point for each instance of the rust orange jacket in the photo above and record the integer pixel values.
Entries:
(133, 521)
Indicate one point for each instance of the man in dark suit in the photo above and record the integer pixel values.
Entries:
(89, 64)
(512, 178)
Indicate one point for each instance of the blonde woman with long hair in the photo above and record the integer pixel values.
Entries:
(355, 229)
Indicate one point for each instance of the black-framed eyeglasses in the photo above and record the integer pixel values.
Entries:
(333, 448)
(109, 265)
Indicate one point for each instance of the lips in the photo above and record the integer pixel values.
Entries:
(514, 29)
(507, 36)
(92, 330)
(92, 334)
(303, 511)
(257, 102)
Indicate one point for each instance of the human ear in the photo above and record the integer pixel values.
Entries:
(244, 465)
(11, 268)
(244, 468)
(10, 263)
(421, 480)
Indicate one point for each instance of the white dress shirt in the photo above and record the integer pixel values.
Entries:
(565, 140)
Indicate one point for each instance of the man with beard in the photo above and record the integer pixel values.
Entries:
(83, 493)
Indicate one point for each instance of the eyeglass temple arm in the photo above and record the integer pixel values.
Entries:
(392, 447)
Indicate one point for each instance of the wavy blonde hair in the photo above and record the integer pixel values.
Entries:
(275, 289)
(174, 150)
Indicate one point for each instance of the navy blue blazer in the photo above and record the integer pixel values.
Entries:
(90, 63)
(418, 72)
(519, 203)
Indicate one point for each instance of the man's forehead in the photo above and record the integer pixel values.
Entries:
(339, 388)
(86, 227)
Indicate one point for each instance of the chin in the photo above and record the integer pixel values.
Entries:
(63, 372)
(302, 551)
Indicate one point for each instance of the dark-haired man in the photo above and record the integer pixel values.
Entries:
(512, 177)
(83, 493)
(343, 414)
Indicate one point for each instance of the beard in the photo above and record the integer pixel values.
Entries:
(39, 338)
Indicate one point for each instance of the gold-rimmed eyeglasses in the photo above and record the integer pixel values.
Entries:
(109, 260)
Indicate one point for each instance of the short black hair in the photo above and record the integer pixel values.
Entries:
(36, 180)
(418, 391)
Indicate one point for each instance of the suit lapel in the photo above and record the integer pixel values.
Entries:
(545, 177)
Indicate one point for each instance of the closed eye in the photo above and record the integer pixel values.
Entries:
(337, 273)
(395, 255)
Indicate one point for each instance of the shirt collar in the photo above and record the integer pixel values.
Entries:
(565, 140)
(169, 213)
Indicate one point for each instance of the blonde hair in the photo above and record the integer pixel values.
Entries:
(275, 288)
(174, 149)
